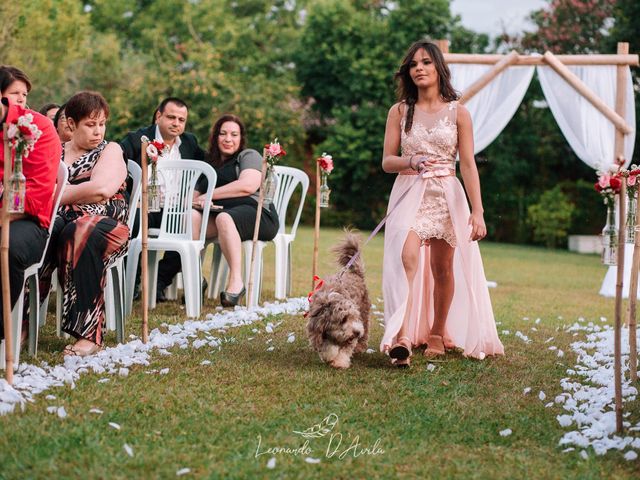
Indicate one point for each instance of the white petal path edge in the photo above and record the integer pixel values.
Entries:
(31, 380)
(589, 394)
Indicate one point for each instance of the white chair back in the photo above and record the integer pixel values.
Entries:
(288, 180)
(135, 172)
(178, 197)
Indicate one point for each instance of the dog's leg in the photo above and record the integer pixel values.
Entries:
(328, 352)
(343, 360)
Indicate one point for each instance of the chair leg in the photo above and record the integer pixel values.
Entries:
(34, 314)
(191, 278)
(133, 258)
(118, 300)
(289, 273)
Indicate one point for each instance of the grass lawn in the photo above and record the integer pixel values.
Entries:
(226, 419)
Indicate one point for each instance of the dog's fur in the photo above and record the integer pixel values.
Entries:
(338, 320)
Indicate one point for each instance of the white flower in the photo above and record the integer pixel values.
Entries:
(152, 151)
(506, 432)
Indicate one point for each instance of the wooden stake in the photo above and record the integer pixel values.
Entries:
(617, 351)
(256, 228)
(316, 231)
(4, 262)
(633, 301)
(485, 79)
(443, 45)
(573, 80)
(490, 59)
(144, 255)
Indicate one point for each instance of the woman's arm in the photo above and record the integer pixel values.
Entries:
(107, 177)
(469, 173)
(391, 161)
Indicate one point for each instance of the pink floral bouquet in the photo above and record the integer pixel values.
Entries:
(608, 186)
(326, 163)
(23, 134)
(274, 151)
(155, 149)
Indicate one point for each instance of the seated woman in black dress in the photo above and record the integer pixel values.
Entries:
(239, 173)
(90, 231)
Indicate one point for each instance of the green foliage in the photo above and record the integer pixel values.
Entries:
(551, 217)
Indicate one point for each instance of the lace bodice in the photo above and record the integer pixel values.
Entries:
(434, 135)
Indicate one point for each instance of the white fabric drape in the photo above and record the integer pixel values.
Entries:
(589, 133)
(493, 106)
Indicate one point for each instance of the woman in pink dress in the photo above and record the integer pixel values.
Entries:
(435, 290)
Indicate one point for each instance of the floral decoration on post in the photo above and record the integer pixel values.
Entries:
(609, 186)
(273, 152)
(22, 134)
(632, 202)
(325, 162)
(155, 150)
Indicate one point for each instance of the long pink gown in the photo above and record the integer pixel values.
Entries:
(435, 207)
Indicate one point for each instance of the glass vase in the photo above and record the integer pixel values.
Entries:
(632, 207)
(270, 185)
(610, 235)
(153, 190)
(325, 192)
(17, 186)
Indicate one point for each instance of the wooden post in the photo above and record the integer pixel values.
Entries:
(490, 59)
(256, 228)
(617, 344)
(485, 79)
(316, 230)
(443, 45)
(587, 93)
(144, 255)
(633, 301)
(4, 262)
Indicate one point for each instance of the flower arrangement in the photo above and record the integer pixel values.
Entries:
(608, 186)
(155, 149)
(23, 134)
(273, 152)
(325, 162)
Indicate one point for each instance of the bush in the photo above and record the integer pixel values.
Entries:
(550, 218)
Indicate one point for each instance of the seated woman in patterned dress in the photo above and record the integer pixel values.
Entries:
(90, 231)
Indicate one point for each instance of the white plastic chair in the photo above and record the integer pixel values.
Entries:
(288, 180)
(175, 233)
(31, 275)
(115, 291)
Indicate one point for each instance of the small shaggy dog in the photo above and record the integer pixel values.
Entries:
(338, 319)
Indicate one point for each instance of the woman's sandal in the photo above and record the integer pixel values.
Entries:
(74, 351)
(448, 343)
(435, 346)
(400, 350)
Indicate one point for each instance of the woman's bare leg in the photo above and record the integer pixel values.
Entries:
(231, 246)
(442, 270)
(410, 257)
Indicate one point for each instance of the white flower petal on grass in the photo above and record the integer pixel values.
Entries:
(164, 371)
(62, 413)
(526, 390)
(549, 339)
(537, 321)
(183, 471)
(567, 450)
(123, 372)
(50, 397)
(506, 432)
(205, 362)
(552, 348)
(268, 329)
(560, 353)
(291, 338)
(312, 460)
(431, 367)
(564, 420)
(491, 284)
(542, 395)
(96, 410)
(270, 349)
(114, 425)
(103, 380)
(128, 449)
(52, 409)
(547, 405)
(584, 454)
(271, 464)
(630, 455)
(505, 332)
(370, 350)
